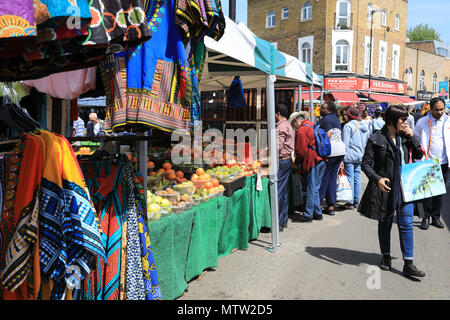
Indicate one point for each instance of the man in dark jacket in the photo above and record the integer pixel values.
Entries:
(313, 166)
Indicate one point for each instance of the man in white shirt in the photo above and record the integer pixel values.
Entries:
(433, 132)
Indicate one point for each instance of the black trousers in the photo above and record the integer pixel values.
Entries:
(432, 206)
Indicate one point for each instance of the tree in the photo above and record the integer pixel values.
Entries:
(423, 32)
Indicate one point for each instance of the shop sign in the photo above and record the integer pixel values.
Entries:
(363, 84)
(424, 95)
(443, 89)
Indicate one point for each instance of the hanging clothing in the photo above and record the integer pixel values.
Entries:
(66, 85)
(67, 35)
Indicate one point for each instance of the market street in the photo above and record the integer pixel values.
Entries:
(335, 258)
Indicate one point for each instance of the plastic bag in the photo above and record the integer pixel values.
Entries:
(343, 190)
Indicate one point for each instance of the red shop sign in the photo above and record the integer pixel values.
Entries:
(363, 84)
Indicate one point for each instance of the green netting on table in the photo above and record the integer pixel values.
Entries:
(203, 246)
(170, 242)
(235, 233)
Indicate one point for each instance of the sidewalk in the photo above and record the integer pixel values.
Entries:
(330, 259)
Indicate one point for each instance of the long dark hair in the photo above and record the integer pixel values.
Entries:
(395, 113)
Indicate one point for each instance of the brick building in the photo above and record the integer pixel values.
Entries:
(427, 65)
(334, 35)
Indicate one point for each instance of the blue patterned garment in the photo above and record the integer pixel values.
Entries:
(152, 290)
(69, 234)
(135, 276)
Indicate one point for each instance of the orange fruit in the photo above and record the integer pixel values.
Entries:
(153, 173)
(221, 187)
(207, 176)
(172, 176)
(161, 170)
(194, 177)
(167, 166)
(151, 164)
(180, 174)
(200, 171)
(208, 185)
(215, 182)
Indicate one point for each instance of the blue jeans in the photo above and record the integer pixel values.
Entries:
(328, 185)
(315, 176)
(353, 172)
(405, 229)
(284, 170)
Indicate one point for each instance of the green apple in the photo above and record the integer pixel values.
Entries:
(154, 208)
(165, 203)
(158, 199)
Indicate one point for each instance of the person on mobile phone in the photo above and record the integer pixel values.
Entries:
(385, 153)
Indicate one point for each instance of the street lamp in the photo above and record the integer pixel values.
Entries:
(372, 12)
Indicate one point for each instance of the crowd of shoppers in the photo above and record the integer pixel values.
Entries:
(378, 146)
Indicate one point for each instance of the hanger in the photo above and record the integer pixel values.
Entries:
(6, 115)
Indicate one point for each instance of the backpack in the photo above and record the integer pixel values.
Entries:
(323, 145)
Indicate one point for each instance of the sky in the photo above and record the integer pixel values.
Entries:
(433, 12)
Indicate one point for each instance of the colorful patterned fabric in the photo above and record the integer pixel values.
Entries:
(135, 276)
(12, 171)
(17, 19)
(77, 39)
(151, 283)
(156, 77)
(25, 219)
(105, 184)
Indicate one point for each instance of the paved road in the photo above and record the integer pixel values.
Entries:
(330, 259)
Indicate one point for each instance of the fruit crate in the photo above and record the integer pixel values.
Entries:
(233, 185)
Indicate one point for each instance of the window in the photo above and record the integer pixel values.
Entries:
(382, 59)
(284, 13)
(343, 14)
(422, 80)
(367, 56)
(397, 22)
(435, 85)
(342, 56)
(370, 8)
(306, 52)
(442, 52)
(383, 17)
(409, 77)
(307, 12)
(395, 61)
(270, 19)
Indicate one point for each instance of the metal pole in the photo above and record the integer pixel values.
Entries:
(258, 118)
(299, 98)
(311, 103)
(370, 48)
(273, 164)
(142, 160)
(232, 8)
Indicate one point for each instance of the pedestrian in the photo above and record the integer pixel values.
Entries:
(93, 126)
(433, 132)
(312, 166)
(377, 122)
(354, 134)
(386, 151)
(79, 130)
(330, 123)
(411, 121)
(285, 143)
(298, 181)
(343, 116)
(417, 115)
(365, 115)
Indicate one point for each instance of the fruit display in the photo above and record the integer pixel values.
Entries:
(185, 188)
(223, 173)
(249, 170)
(164, 177)
(168, 193)
(157, 206)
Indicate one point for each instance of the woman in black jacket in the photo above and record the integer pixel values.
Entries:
(386, 151)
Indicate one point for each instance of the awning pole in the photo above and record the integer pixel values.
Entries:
(299, 98)
(273, 164)
(311, 103)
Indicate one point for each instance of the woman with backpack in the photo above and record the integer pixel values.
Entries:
(330, 123)
(386, 151)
